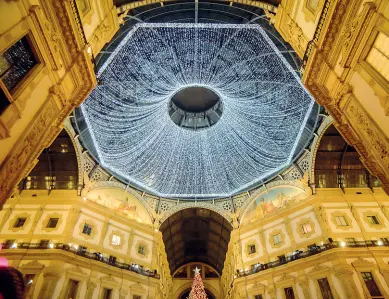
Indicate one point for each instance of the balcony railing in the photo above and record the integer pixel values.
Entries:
(312, 250)
(97, 256)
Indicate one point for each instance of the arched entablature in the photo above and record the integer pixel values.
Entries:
(196, 235)
(276, 195)
(225, 213)
(336, 164)
(268, 5)
(120, 198)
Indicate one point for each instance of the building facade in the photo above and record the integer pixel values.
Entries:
(318, 229)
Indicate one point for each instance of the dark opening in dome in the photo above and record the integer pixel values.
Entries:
(195, 107)
(195, 99)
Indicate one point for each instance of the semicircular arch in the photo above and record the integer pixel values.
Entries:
(196, 235)
(272, 198)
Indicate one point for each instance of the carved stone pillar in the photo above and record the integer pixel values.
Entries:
(130, 241)
(123, 293)
(103, 234)
(263, 244)
(290, 233)
(71, 223)
(6, 215)
(304, 285)
(321, 218)
(345, 277)
(36, 219)
(154, 255)
(91, 286)
(50, 280)
(272, 293)
(385, 274)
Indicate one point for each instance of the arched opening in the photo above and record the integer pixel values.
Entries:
(57, 167)
(196, 235)
(185, 295)
(338, 164)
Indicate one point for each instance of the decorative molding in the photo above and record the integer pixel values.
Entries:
(46, 221)
(11, 225)
(291, 31)
(346, 217)
(92, 224)
(381, 221)
(299, 226)
(247, 247)
(120, 235)
(145, 246)
(274, 233)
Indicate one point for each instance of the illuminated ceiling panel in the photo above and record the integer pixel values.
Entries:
(245, 131)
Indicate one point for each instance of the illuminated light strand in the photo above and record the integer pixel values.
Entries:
(265, 109)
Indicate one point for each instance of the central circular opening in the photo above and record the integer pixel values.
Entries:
(195, 107)
(195, 99)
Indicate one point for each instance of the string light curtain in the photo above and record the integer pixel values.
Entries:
(265, 108)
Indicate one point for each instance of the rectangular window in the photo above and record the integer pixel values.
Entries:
(107, 293)
(277, 239)
(251, 249)
(20, 222)
(136, 297)
(115, 240)
(371, 284)
(289, 294)
(141, 249)
(373, 220)
(52, 223)
(258, 297)
(87, 230)
(325, 288)
(378, 56)
(341, 221)
(306, 228)
(16, 62)
(71, 290)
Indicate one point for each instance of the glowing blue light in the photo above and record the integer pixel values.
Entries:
(265, 108)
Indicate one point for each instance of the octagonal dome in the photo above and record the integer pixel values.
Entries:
(129, 115)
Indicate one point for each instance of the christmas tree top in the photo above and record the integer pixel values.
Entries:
(197, 291)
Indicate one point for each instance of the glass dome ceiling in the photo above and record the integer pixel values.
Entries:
(266, 120)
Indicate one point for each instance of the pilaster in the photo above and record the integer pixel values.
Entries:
(91, 287)
(50, 280)
(345, 276)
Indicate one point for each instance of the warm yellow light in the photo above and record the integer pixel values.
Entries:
(380, 243)
(343, 244)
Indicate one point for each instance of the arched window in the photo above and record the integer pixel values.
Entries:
(338, 164)
(57, 167)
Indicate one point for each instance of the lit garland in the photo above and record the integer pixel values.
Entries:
(265, 109)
